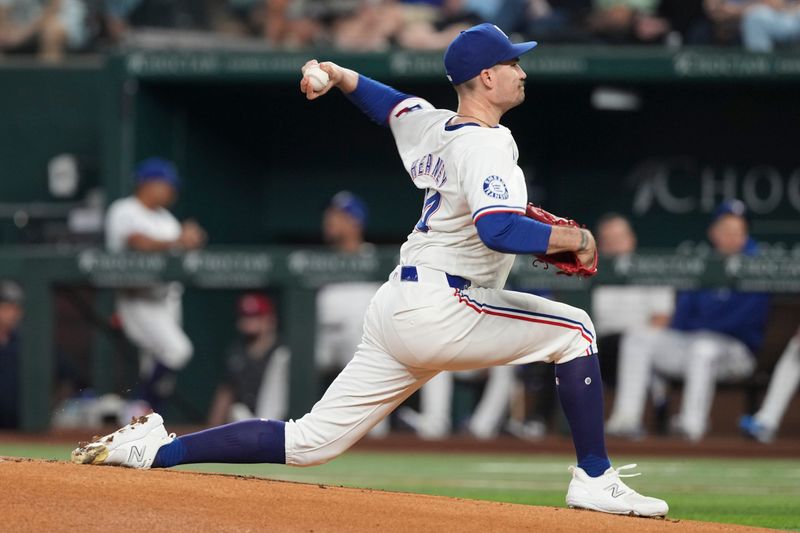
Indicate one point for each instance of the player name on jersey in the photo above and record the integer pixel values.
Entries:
(429, 165)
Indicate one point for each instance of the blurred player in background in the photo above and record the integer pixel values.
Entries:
(341, 306)
(443, 307)
(151, 316)
(257, 379)
(714, 336)
(620, 308)
(782, 385)
(11, 311)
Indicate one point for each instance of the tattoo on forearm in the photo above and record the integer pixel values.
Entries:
(584, 241)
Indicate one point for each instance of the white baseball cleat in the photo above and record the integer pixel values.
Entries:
(608, 494)
(133, 446)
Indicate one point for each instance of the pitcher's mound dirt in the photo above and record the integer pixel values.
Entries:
(58, 496)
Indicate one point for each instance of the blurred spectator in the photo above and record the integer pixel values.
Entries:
(770, 23)
(48, 28)
(122, 15)
(11, 301)
(374, 25)
(713, 336)
(151, 316)
(617, 309)
(265, 19)
(430, 24)
(546, 20)
(306, 22)
(558, 20)
(785, 378)
(672, 22)
(341, 306)
(257, 380)
(727, 15)
(688, 21)
(625, 21)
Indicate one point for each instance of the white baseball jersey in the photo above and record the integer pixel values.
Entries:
(129, 216)
(619, 308)
(340, 321)
(463, 181)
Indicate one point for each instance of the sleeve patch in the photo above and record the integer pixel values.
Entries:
(495, 187)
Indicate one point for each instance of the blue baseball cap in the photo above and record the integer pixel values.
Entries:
(480, 47)
(352, 205)
(730, 207)
(157, 169)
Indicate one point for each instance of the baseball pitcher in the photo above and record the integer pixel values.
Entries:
(443, 307)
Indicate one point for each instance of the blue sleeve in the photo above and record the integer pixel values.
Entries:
(512, 233)
(375, 99)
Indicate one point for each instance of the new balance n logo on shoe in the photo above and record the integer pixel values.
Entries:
(138, 453)
(615, 490)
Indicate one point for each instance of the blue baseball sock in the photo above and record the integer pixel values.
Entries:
(248, 441)
(580, 391)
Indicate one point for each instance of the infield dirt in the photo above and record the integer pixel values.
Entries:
(59, 496)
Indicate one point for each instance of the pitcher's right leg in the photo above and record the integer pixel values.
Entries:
(370, 387)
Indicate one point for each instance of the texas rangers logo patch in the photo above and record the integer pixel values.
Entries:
(495, 187)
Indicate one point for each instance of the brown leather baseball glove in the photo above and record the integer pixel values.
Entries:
(567, 263)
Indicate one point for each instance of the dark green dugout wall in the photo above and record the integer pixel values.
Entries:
(46, 111)
(260, 162)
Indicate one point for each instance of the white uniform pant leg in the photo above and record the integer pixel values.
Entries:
(494, 404)
(273, 394)
(782, 386)
(370, 387)
(639, 351)
(153, 325)
(435, 407)
(708, 358)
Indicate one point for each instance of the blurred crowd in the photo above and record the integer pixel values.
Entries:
(54, 28)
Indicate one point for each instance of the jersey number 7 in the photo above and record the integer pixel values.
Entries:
(431, 205)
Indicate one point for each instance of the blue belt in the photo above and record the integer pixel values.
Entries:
(409, 273)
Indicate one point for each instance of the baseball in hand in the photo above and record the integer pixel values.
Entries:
(318, 78)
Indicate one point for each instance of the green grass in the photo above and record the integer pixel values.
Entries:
(762, 492)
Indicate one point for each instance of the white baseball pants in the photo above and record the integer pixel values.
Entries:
(154, 326)
(699, 358)
(782, 386)
(412, 331)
